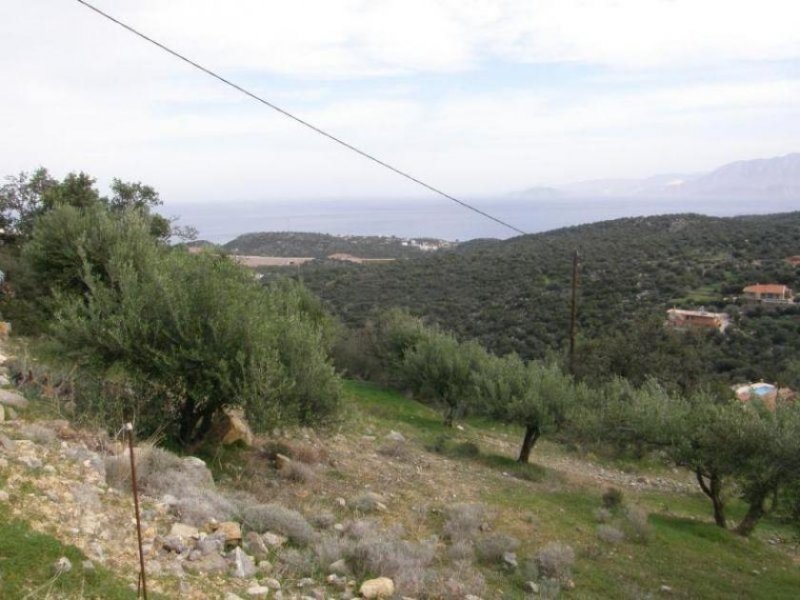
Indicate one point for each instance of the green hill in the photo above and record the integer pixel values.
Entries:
(514, 295)
(320, 245)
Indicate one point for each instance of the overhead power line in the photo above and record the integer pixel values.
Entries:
(303, 122)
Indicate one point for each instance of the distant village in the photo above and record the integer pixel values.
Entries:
(700, 319)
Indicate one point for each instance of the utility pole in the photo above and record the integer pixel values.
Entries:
(574, 313)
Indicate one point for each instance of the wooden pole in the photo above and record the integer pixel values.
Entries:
(135, 488)
(574, 311)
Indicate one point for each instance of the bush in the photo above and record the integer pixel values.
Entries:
(492, 548)
(636, 525)
(278, 519)
(612, 499)
(298, 472)
(212, 336)
(555, 561)
(463, 521)
(610, 534)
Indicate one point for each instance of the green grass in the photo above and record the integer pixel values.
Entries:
(26, 559)
(686, 551)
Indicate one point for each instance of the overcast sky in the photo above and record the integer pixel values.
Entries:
(479, 97)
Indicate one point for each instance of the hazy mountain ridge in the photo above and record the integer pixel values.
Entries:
(777, 177)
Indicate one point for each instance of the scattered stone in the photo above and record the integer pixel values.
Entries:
(254, 545)
(382, 587)
(281, 460)
(305, 582)
(231, 530)
(62, 565)
(13, 399)
(3, 496)
(210, 564)
(7, 444)
(231, 596)
(336, 581)
(273, 540)
(3, 463)
(531, 586)
(257, 591)
(173, 543)
(211, 544)
(510, 560)
(232, 427)
(242, 566)
(665, 589)
(341, 502)
(272, 583)
(396, 436)
(30, 461)
(264, 566)
(339, 567)
(182, 530)
(88, 566)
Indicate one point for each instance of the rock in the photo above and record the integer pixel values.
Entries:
(257, 591)
(242, 566)
(395, 436)
(13, 399)
(62, 565)
(339, 567)
(7, 444)
(4, 380)
(382, 587)
(336, 581)
(3, 463)
(3, 496)
(182, 530)
(281, 460)
(30, 461)
(665, 589)
(341, 502)
(210, 564)
(272, 583)
(264, 566)
(211, 544)
(174, 543)
(510, 560)
(531, 586)
(88, 566)
(232, 427)
(254, 545)
(273, 540)
(231, 530)
(231, 596)
(305, 582)
(11, 414)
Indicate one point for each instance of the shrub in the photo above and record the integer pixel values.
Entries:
(602, 515)
(463, 521)
(297, 471)
(332, 547)
(403, 561)
(455, 582)
(462, 549)
(279, 519)
(491, 549)
(367, 503)
(612, 499)
(555, 561)
(466, 450)
(636, 525)
(323, 520)
(38, 434)
(610, 534)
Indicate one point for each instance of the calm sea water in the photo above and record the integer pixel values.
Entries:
(436, 218)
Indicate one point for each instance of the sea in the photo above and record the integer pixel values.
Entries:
(439, 218)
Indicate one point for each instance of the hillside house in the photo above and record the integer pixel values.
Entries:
(697, 319)
(768, 292)
(767, 393)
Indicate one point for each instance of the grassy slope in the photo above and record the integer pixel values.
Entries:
(26, 558)
(687, 551)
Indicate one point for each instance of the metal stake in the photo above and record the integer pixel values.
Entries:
(142, 581)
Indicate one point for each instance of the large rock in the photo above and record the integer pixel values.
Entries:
(254, 545)
(382, 587)
(242, 566)
(231, 530)
(232, 427)
(210, 564)
(14, 399)
(182, 530)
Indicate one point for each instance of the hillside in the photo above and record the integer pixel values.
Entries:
(514, 295)
(320, 245)
(381, 493)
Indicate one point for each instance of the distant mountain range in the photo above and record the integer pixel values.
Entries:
(746, 179)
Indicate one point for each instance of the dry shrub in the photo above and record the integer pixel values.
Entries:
(613, 499)
(395, 449)
(455, 583)
(462, 550)
(279, 519)
(199, 506)
(323, 520)
(362, 528)
(367, 503)
(308, 454)
(555, 561)
(610, 534)
(463, 521)
(38, 434)
(333, 547)
(602, 515)
(298, 472)
(403, 561)
(636, 525)
(294, 563)
(491, 549)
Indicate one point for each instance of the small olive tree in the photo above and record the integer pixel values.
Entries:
(536, 395)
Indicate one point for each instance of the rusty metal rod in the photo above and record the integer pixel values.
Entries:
(134, 487)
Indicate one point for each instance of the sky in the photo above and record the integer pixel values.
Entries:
(477, 97)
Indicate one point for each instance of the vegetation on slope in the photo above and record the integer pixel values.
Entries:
(320, 245)
(513, 296)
